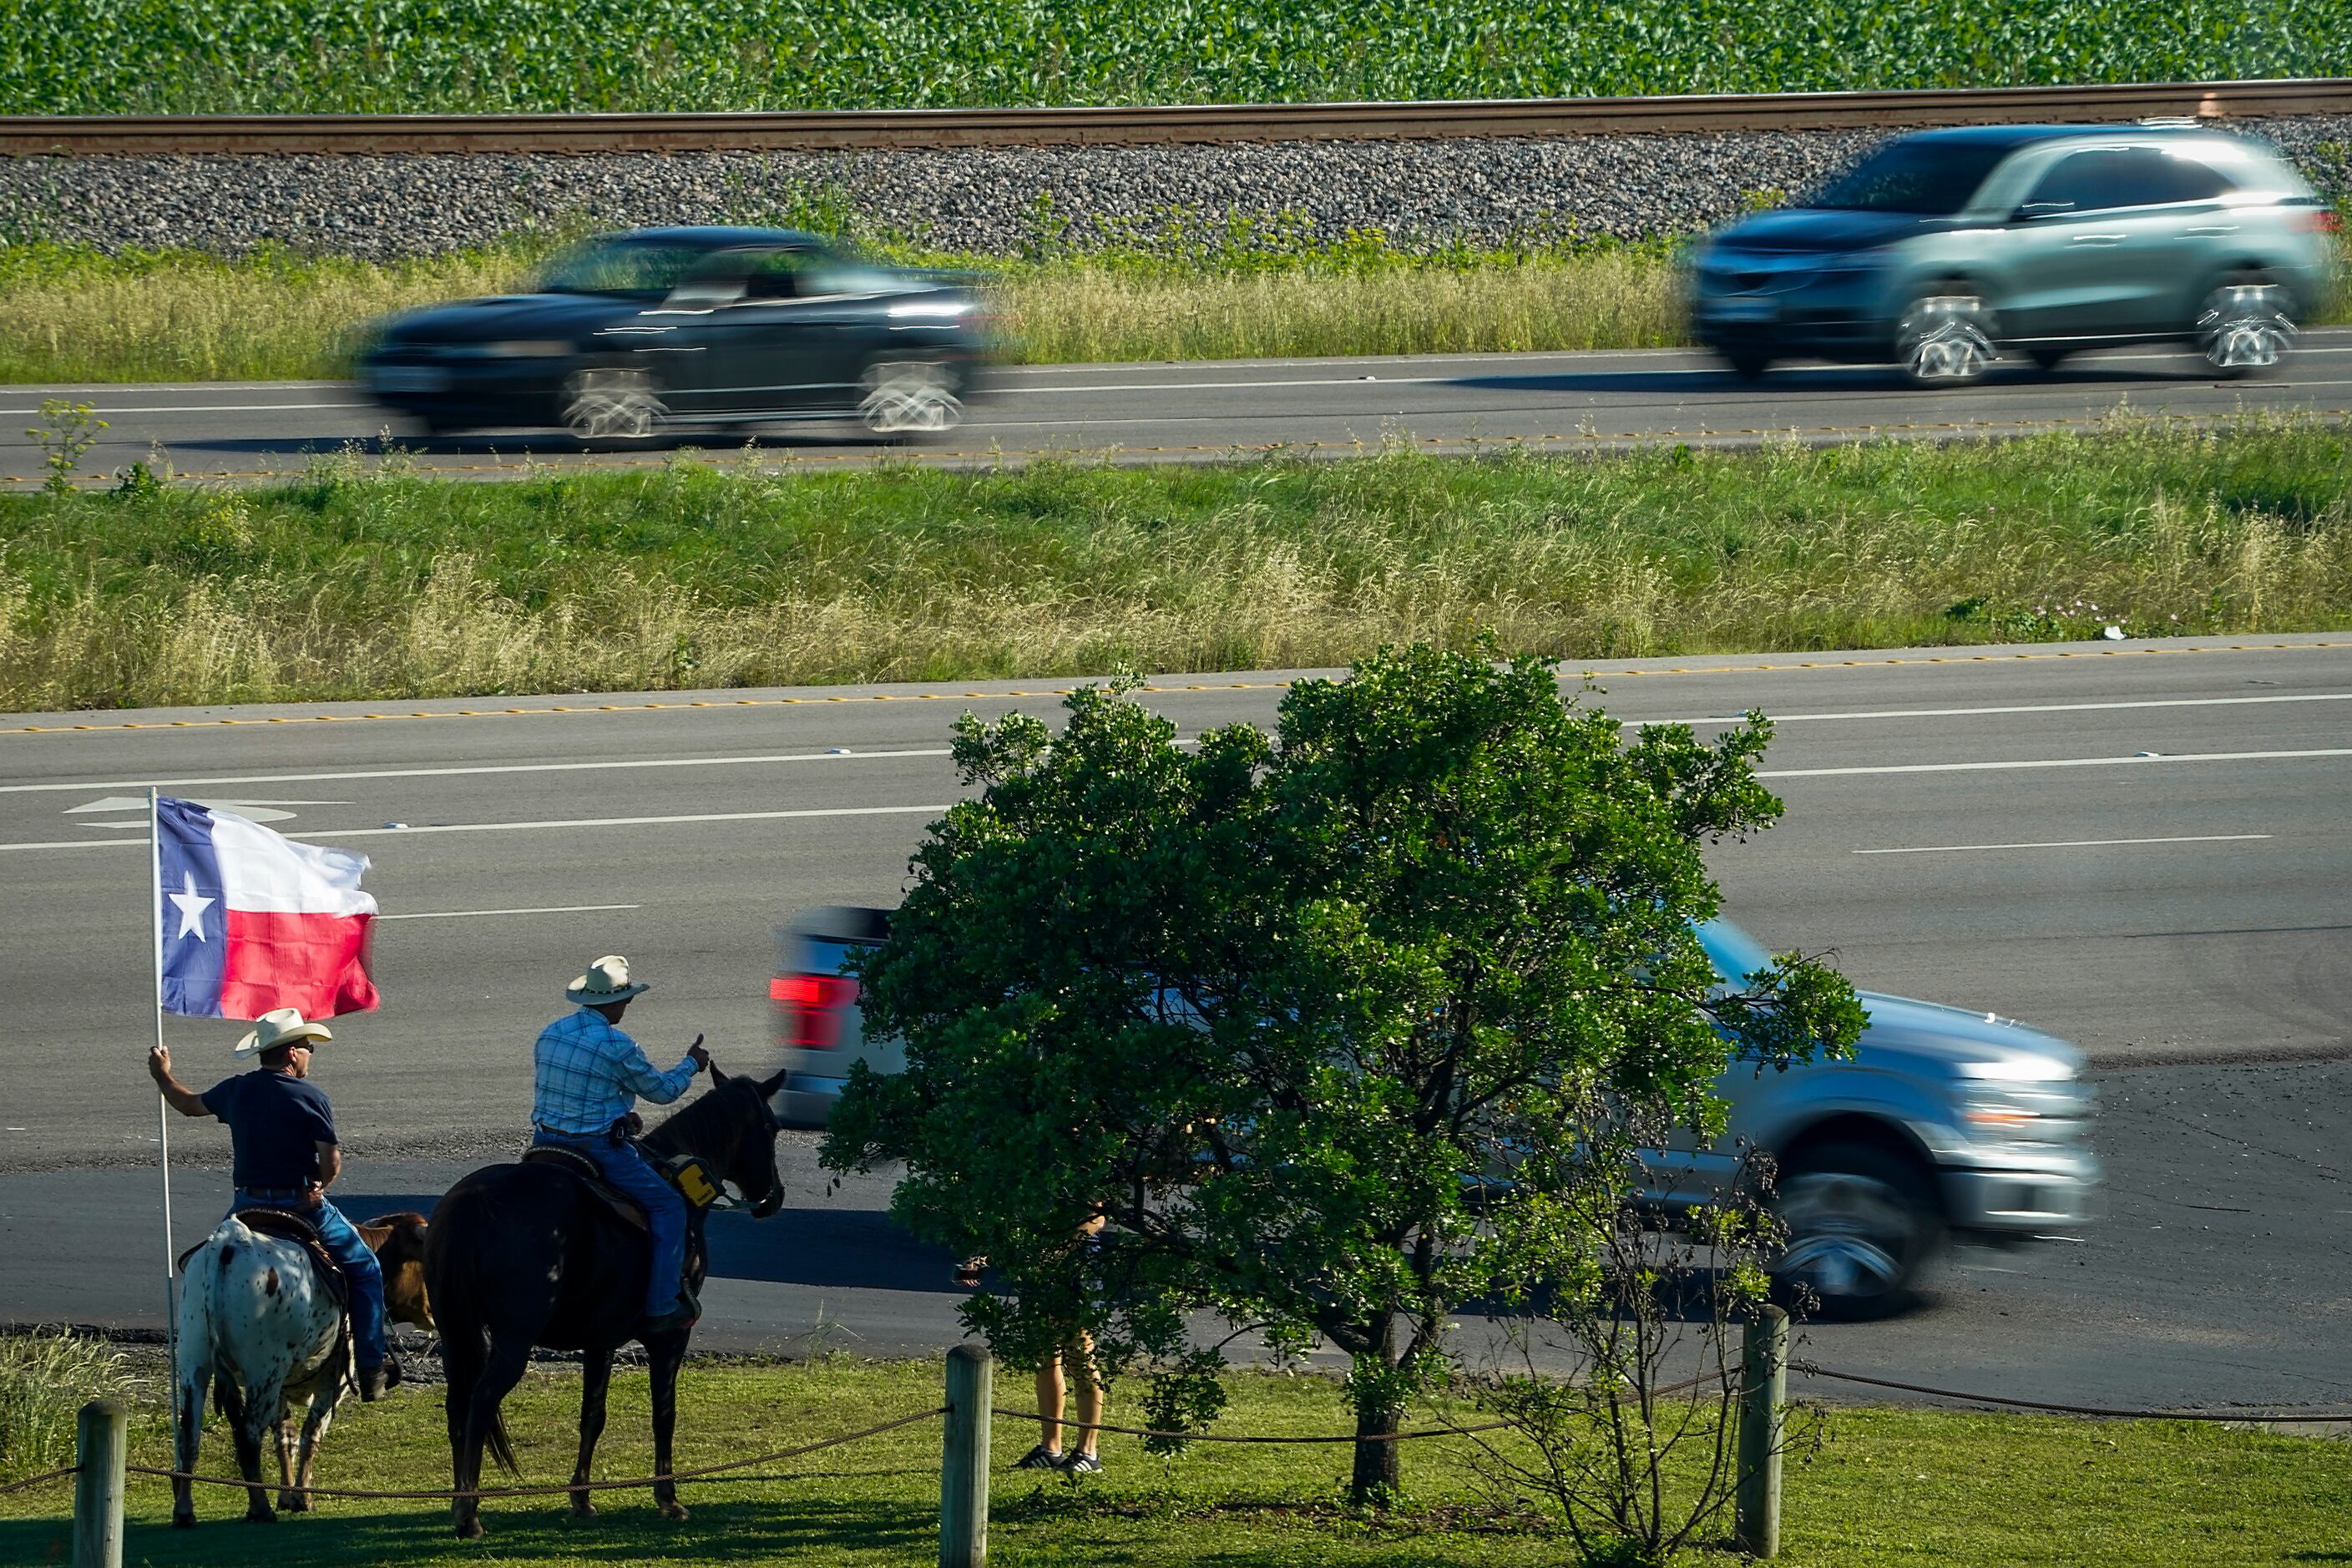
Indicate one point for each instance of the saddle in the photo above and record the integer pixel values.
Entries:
(690, 1174)
(625, 1208)
(288, 1225)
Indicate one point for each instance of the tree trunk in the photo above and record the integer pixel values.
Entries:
(1375, 1480)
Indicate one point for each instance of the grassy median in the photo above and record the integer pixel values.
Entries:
(1884, 1486)
(360, 583)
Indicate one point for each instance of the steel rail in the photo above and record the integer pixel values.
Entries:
(846, 129)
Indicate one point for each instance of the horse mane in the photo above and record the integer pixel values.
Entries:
(701, 1127)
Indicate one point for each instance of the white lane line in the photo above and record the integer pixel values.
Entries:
(1956, 712)
(544, 910)
(2050, 763)
(839, 756)
(2070, 844)
(337, 835)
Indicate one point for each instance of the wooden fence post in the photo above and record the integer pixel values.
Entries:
(102, 1448)
(964, 1461)
(1763, 1392)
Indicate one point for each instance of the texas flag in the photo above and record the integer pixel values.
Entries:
(253, 922)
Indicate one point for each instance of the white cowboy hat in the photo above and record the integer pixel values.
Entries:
(280, 1026)
(607, 980)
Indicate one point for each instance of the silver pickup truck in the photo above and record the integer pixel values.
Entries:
(1944, 1125)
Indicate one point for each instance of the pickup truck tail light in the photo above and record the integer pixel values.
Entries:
(809, 1009)
(2326, 220)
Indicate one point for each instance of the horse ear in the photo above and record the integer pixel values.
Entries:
(768, 1087)
(717, 1078)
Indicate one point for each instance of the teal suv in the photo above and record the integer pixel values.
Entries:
(1951, 251)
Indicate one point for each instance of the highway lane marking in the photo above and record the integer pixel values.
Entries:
(474, 914)
(698, 818)
(1565, 674)
(2072, 844)
(1876, 713)
(849, 755)
(837, 756)
(2144, 759)
(1175, 382)
(339, 834)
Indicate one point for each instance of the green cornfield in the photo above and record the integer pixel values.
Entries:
(81, 57)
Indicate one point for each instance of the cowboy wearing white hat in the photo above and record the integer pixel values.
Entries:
(282, 1131)
(587, 1077)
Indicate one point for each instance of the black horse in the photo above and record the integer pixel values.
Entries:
(526, 1255)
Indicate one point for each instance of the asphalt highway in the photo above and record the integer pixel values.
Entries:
(1196, 411)
(2138, 846)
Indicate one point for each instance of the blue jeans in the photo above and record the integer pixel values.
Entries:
(628, 1171)
(347, 1247)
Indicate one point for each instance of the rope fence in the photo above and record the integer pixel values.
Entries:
(729, 1471)
(1810, 1369)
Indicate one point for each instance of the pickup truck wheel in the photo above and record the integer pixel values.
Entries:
(1862, 1221)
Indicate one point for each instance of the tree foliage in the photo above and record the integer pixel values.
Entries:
(1332, 1024)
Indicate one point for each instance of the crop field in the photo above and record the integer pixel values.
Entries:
(84, 56)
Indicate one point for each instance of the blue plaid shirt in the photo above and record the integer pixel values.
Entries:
(588, 1075)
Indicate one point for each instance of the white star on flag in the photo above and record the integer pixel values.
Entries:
(193, 905)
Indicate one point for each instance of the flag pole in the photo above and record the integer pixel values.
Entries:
(163, 1105)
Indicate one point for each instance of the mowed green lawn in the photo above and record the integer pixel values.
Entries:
(1886, 1487)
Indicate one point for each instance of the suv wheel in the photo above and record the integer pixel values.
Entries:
(906, 398)
(614, 403)
(2243, 326)
(1945, 339)
(1861, 1221)
(1747, 365)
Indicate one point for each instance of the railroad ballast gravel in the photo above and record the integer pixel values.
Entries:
(1420, 194)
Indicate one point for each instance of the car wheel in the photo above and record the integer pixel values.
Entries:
(2244, 326)
(908, 398)
(1945, 339)
(615, 404)
(1749, 365)
(1861, 1221)
(2047, 360)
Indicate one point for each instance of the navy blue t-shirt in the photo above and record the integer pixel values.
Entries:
(276, 1123)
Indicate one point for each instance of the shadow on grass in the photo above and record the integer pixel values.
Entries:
(730, 1531)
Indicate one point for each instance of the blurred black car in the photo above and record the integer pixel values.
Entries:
(629, 334)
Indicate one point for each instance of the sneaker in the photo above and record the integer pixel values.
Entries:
(1041, 1458)
(1082, 1465)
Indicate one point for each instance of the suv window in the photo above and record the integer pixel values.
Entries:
(2107, 177)
(1933, 179)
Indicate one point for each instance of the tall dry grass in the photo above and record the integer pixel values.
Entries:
(44, 1380)
(73, 317)
(191, 317)
(386, 586)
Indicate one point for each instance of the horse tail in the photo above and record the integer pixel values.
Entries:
(450, 1280)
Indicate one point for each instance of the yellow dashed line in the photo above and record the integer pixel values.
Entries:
(1066, 690)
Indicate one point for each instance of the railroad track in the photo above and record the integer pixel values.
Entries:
(29, 135)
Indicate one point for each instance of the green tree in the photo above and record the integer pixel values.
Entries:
(1332, 1024)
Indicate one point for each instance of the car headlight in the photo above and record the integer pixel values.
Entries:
(1996, 1102)
(526, 348)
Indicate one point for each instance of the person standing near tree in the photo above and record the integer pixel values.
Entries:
(1074, 1358)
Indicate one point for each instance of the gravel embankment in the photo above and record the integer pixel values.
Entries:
(1481, 192)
